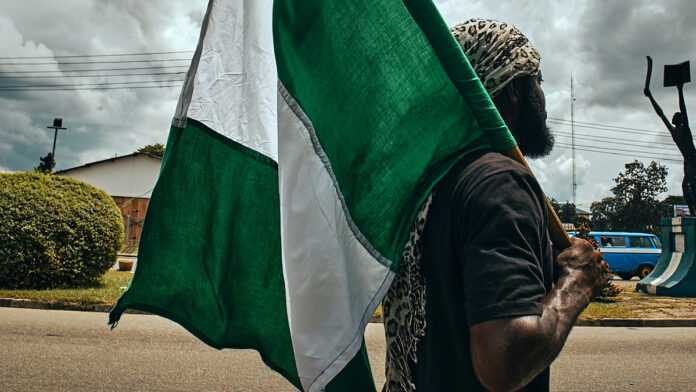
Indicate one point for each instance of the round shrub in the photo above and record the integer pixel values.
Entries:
(55, 232)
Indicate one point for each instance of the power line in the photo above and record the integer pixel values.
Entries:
(566, 146)
(23, 87)
(633, 156)
(96, 55)
(601, 124)
(93, 76)
(621, 130)
(620, 143)
(618, 140)
(657, 154)
(98, 88)
(624, 150)
(655, 133)
(95, 69)
(96, 62)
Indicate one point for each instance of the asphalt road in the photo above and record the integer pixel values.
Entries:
(44, 350)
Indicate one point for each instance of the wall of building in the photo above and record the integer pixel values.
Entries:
(133, 211)
(133, 176)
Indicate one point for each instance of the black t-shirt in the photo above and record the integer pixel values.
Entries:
(486, 255)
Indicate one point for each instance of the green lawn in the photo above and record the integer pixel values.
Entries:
(106, 294)
(599, 310)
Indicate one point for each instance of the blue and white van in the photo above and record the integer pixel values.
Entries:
(628, 254)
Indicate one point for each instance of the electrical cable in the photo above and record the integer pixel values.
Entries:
(628, 144)
(98, 88)
(600, 124)
(95, 69)
(620, 130)
(31, 87)
(618, 140)
(567, 146)
(96, 62)
(93, 76)
(96, 55)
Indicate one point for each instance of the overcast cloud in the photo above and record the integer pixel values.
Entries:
(601, 43)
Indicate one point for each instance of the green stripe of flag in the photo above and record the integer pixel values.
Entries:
(391, 121)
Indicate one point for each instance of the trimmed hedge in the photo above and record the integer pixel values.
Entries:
(55, 232)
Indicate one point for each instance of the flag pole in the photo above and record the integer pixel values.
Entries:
(558, 235)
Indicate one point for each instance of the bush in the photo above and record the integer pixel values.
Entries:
(55, 232)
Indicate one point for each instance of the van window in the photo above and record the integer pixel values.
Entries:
(657, 242)
(640, 242)
(611, 240)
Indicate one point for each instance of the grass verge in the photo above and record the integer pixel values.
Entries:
(105, 294)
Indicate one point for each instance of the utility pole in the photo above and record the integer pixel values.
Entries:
(57, 126)
(572, 135)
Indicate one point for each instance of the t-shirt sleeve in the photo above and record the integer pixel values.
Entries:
(502, 226)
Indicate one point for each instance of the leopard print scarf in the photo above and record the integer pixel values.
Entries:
(499, 52)
(404, 312)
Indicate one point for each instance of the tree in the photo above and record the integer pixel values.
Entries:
(153, 149)
(667, 205)
(567, 213)
(47, 164)
(634, 205)
(603, 214)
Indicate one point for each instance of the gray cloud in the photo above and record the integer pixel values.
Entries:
(101, 123)
(601, 43)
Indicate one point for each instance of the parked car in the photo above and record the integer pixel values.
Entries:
(628, 254)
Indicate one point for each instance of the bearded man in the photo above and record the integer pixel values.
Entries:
(475, 305)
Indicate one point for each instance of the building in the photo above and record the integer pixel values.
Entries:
(129, 180)
(580, 213)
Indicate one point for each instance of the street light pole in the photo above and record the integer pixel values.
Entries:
(57, 126)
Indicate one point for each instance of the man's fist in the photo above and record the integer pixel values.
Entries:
(586, 264)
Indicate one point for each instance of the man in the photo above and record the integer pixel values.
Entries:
(475, 306)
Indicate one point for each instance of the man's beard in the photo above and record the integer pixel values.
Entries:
(533, 136)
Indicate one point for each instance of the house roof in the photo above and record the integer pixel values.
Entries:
(580, 211)
(153, 156)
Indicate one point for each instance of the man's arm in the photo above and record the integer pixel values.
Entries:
(508, 353)
(659, 111)
(647, 93)
(682, 105)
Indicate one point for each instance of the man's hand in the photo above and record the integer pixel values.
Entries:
(585, 265)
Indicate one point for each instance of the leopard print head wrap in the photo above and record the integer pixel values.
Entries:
(498, 51)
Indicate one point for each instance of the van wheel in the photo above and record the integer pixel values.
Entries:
(625, 276)
(644, 270)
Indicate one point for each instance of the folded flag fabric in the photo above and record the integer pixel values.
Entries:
(307, 135)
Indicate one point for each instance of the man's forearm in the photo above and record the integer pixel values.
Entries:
(537, 340)
(562, 306)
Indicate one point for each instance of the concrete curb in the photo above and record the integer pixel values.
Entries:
(31, 304)
(634, 322)
(628, 322)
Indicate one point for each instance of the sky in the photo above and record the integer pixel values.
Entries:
(601, 44)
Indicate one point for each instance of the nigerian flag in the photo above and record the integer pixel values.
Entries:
(307, 135)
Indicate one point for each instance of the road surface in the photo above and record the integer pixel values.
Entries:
(44, 350)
